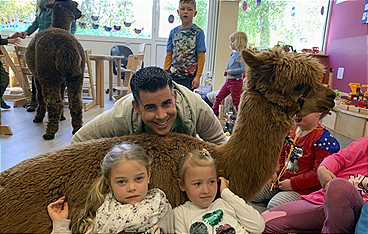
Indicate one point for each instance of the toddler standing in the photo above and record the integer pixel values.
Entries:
(233, 72)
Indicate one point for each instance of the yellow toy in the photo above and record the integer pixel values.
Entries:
(355, 88)
(366, 91)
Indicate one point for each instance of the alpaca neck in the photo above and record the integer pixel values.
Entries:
(265, 127)
(61, 23)
(252, 151)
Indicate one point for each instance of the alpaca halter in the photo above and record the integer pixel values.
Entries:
(282, 172)
(300, 101)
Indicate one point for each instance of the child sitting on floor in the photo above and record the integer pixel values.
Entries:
(336, 207)
(119, 200)
(309, 143)
(203, 213)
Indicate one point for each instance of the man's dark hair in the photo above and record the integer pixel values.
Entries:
(188, 1)
(149, 79)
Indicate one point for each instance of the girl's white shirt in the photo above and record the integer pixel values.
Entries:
(237, 214)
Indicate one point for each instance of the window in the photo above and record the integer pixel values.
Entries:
(298, 23)
(116, 18)
(111, 18)
(16, 15)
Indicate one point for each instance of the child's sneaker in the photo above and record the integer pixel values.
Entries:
(4, 105)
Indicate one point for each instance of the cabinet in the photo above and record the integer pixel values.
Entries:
(348, 123)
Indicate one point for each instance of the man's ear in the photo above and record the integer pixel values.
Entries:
(175, 94)
(178, 12)
(181, 185)
(195, 13)
(136, 106)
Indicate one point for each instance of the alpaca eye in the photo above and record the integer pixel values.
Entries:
(299, 87)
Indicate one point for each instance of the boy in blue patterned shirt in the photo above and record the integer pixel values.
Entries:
(185, 50)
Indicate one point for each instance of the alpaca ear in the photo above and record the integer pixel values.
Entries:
(250, 58)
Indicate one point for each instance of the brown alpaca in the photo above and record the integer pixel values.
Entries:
(277, 87)
(57, 60)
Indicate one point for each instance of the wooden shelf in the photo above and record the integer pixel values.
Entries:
(348, 123)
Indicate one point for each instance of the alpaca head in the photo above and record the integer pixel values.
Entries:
(291, 81)
(64, 12)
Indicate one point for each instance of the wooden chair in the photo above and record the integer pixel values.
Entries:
(142, 48)
(135, 62)
(24, 95)
(89, 84)
(26, 74)
(4, 129)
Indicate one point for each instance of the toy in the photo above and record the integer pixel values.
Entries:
(366, 92)
(357, 97)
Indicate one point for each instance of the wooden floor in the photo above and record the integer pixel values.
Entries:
(27, 140)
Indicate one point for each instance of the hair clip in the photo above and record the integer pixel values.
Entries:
(205, 152)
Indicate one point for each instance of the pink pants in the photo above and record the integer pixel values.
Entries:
(231, 86)
(339, 213)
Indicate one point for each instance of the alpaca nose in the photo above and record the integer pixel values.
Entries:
(78, 14)
(331, 94)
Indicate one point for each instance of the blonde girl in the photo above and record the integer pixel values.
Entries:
(234, 72)
(119, 200)
(203, 213)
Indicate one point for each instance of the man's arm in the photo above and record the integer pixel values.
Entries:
(100, 127)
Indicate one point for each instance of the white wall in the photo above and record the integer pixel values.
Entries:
(227, 23)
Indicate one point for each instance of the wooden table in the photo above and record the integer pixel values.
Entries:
(99, 60)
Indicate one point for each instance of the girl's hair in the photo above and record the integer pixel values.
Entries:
(101, 186)
(240, 39)
(196, 158)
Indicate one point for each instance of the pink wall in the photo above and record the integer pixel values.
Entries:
(347, 43)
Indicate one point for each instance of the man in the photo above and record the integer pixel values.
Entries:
(156, 105)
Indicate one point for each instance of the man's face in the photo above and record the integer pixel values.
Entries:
(158, 109)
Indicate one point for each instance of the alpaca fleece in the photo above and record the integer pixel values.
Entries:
(57, 61)
(274, 93)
